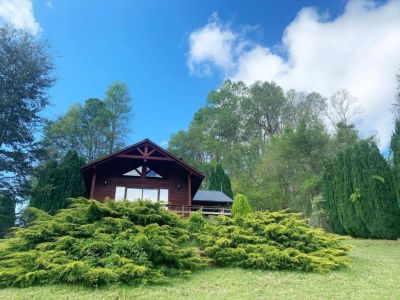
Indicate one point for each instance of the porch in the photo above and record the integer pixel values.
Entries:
(186, 210)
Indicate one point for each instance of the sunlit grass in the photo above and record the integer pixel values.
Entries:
(373, 274)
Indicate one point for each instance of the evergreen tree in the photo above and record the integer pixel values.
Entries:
(56, 182)
(241, 206)
(395, 147)
(7, 213)
(219, 181)
(360, 194)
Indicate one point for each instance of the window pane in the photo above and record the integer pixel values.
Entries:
(119, 193)
(164, 195)
(133, 194)
(150, 194)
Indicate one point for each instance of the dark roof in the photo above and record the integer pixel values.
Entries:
(154, 145)
(211, 196)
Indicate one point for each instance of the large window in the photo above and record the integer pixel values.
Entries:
(132, 194)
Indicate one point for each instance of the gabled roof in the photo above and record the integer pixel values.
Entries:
(211, 196)
(153, 145)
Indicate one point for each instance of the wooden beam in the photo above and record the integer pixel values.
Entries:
(151, 152)
(144, 157)
(93, 184)
(190, 189)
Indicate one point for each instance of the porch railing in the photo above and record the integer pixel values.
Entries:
(186, 210)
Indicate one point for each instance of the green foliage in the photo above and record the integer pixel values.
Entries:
(360, 195)
(241, 206)
(272, 144)
(96, 243)
(94, 129)
(196, 222)
(7, 213)
(25, 77)
(218, 180)
(56, 182)
(395, 148)
(271, 241)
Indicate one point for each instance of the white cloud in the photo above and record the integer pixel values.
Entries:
(358, 51)
(20, 14)
(211, 44)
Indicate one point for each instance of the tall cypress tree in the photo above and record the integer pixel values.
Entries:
(58, 181)
(220, 181)
(395, 147)
(360, 194)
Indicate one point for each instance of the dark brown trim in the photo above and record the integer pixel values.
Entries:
(154, 146)
(93, 183)
(144, 157)
(190, 188)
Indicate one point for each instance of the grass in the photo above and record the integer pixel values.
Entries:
(373, 274)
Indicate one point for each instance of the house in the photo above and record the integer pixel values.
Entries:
(147, 171)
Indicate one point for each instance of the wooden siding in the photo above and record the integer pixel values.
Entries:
(109, 176)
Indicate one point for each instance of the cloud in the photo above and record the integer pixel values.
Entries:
(358, 51)
(201, 52)
(20, 14)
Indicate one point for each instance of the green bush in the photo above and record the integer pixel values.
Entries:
(196, 222)
(98, 243)
(241, 206)
(273, 241)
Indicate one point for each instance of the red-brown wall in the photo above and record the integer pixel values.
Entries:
(109, 176)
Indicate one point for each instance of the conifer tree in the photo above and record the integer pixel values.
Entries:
(241, 206)
(7, 213)
(56, 182)
(220, 181)
(395, 148)
(360, 194)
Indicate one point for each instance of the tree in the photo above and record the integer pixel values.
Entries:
(25, 76)
(395, 148)
(219, 181)
(7, 213)
(94, 129)
(56, 182)
(342, 108)
(241, 206)
(360, 194)
(117, 102)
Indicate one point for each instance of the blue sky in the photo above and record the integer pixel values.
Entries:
(173, 53)
(145, 44)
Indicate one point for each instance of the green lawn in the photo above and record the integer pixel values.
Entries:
(374, 274)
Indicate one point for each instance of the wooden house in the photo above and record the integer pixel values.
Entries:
(147, 171)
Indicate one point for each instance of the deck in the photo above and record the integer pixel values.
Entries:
(186, 210)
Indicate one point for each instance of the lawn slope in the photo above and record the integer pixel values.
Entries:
(373, 274)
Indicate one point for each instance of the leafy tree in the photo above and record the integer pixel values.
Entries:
(219, 181)
(93, 129)
(56, 182)
(241, 206)
(7, 213)
(25, 76)
(117, 103)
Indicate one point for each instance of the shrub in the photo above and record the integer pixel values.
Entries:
(196, 222)
(241, 206)
(277, 240)
(96, 243)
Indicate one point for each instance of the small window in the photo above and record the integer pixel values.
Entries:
(119, 193)
(163, 195)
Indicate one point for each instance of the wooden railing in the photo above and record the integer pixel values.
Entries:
(186, 210)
